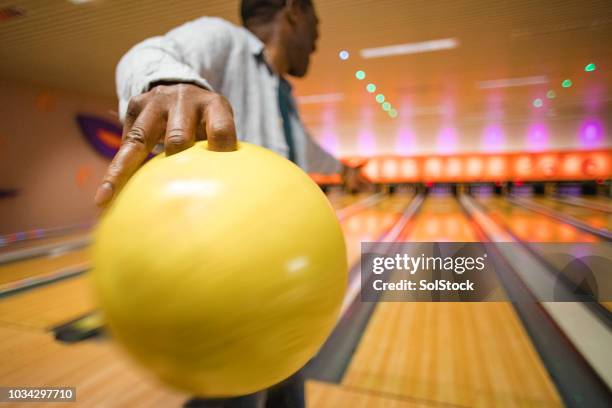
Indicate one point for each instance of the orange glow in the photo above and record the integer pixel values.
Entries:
(522, 166)
(390, 168)
(547, 165)
(453, 167)
(587, 165)
(409, 169)
(496, 167)
(571, 165)
(433, 168)
(475, 167)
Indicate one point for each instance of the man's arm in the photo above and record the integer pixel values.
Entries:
(321, 162)
(195, 52)
(165, 87)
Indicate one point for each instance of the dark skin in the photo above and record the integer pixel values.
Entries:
(181, 113)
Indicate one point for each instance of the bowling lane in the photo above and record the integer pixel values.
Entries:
(461, 354)
(530, 226)
(34, 243)
(59, 262)
(53, 264)
(98, 370)
(368, 225)
(594, 218)
(441, 220)
(47, 306)
(62, 301)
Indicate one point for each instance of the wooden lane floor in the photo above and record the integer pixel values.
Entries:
(102, 375)
(32, 243)
(369, 224)
(594, 218)
(326, 395)
(460, 354)
(27, 268)
(51, 305)
(530, 226)
(58, 262)
(47, 306)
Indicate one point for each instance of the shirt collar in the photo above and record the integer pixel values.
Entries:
(255, 44)
(257, 47)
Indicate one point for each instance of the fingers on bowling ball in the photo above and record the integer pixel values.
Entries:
(209, 280)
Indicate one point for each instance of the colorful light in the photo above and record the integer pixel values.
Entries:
(590, 67)
(393, 113)
(360, 75)
(386, 106)
(537, 102)
(551, 94)
(591, 133)
(493, 138)
(380, 98)
(447, 140)
(371, 88)
(344, 55)
(537, 137)
(566, 83)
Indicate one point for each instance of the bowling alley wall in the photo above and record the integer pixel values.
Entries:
(48, 171)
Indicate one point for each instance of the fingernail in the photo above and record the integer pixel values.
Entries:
(104, 193)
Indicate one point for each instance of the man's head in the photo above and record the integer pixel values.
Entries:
(295, 20)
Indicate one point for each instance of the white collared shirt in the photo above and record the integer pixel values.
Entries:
(228, 59)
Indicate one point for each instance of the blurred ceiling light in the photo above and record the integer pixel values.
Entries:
(510, 82)
(590, 67)
(344, 55)
(371, 88)
(360, 75)
(410, 48)
(566, 83)
(80, 1)
(320, 98)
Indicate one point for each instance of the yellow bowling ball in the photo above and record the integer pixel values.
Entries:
(220, 272)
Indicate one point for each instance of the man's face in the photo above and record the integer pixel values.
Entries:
(302, 41)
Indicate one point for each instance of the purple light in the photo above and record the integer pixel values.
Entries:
(537, 137)
(406, 140)
(366, 143)
(591, 133)
(329, 141)
(447, 140)
(493, 138)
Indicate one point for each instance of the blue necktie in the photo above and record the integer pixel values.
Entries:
(286, 108)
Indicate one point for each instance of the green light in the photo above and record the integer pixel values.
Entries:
(393, 113)
(380, 98)
(386, 106)
(537, 103)
(566, 83)
(551, 94)
(360, 75)
(371, 88)
(590, 67)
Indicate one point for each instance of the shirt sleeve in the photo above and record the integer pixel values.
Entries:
(195, 52)
(320, 161)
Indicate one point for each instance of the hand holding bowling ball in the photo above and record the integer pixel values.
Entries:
(178, 114)
(220, 272)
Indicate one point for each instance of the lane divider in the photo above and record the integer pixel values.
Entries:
(587, 333)
(44, 250)
(530, 205)
(333, 358)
